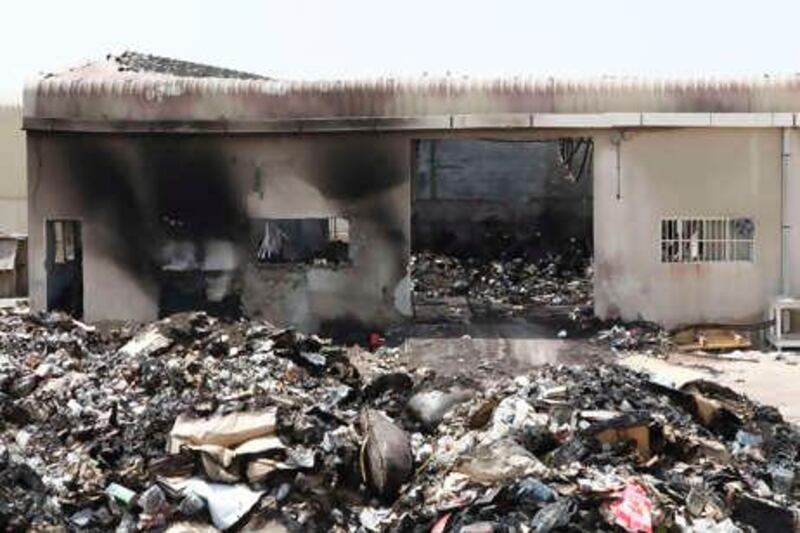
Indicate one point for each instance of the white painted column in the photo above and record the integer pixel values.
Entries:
(790, 232)
(786, 226)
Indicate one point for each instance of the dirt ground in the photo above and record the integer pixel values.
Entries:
(769, 378)
(774, 379)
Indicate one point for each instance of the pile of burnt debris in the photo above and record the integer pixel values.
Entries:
(195, 424)
(557, 277)
(640, 336)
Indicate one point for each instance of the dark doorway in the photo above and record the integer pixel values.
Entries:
(502, 232)
(64, 266)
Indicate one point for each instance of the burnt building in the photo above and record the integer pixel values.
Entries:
(157, 185)
(164, 207)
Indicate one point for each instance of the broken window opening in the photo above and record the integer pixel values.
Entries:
(58, 237)
(318, 241)
(69, 242)
(574, 156)
(707, 240)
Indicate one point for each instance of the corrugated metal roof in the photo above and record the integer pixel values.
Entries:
(103, 91)
(127, 82)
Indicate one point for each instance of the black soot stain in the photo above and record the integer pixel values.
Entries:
(163, 188)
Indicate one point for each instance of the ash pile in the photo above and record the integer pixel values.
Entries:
(510, 283)
(198, 424)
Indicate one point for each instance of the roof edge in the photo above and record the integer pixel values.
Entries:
(496, 122)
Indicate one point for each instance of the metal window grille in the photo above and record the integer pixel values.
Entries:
(707, 239)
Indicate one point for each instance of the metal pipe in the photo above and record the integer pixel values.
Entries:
(616, 140)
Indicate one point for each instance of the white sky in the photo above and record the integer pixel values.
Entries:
(336, 38)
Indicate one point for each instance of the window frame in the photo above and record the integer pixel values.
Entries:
(705, 239)
(337, 229)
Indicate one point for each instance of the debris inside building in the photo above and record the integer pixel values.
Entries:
(441, 305)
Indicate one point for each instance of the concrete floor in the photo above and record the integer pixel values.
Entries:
(493, 348)
(476, 355)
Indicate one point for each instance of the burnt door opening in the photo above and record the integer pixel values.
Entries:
(502, 234)
(64, 266)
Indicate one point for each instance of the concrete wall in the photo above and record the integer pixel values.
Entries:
(13, 205)
(359, 177)
(685, 173)
(120, 186)
(792, 213)
(123, 187)
(461, 185)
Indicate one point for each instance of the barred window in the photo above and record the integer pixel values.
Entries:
(707, 239)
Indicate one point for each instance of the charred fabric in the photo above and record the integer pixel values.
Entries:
(195, 423)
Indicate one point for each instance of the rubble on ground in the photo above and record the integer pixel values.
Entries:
(645, 337)
(195, 423)
(557, 278)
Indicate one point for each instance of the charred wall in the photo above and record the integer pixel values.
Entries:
(472, 194)
(134, 193)
(171, 216)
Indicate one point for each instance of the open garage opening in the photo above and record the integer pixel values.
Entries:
(502, 235)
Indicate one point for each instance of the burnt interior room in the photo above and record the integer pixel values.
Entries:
(502, 231)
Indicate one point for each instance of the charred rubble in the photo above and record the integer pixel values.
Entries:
(194, 424)
(510, 282)
(529, 283)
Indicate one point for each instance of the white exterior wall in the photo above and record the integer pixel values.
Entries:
(373, 287)
(109, 292)
(793, 212)
(685, 172)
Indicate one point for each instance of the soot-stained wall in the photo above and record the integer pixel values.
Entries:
(144, 199)
(468, 191)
